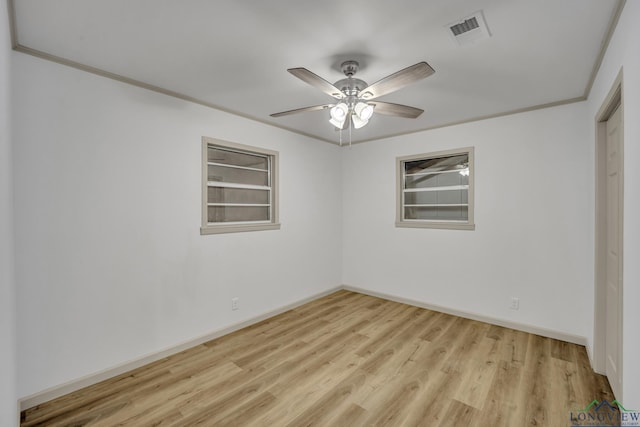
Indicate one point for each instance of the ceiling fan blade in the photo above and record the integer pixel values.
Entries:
(397, 110)
(397, 80)
(317, 82)
(302, 110)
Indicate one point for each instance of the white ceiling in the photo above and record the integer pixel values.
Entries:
(233, 54)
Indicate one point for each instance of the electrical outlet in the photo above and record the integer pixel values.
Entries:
(515, 303)
(235, 303)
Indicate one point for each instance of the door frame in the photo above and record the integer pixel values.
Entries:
(612, 101)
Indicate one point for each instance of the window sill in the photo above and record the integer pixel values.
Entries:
(436, 224)
(237, 228)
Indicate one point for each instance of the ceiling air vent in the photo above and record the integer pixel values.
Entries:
(469, 30)
(463, 27)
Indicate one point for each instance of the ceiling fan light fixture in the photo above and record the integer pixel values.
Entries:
(337, 123)
(357, 121)
(339, 112)
(363, 110)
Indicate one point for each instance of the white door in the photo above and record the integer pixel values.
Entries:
(614, 255)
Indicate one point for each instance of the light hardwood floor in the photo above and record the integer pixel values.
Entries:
(347, 360)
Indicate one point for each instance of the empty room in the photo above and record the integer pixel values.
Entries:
(338, 213)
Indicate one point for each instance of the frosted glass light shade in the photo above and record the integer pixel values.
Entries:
(339, 112)
(363, 110)
(357, 121)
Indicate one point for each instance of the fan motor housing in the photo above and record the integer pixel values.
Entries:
(350, 86)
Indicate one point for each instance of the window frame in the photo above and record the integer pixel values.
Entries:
(239, 226)
(426, 223)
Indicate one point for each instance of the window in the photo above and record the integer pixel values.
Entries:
(239, 190)
(436, 190)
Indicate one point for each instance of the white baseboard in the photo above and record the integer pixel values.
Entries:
(71, 386)
(74, 385)
(549, 333)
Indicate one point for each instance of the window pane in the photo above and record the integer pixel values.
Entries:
(239, 188)
(238, 176)
(237, 195)
(437, 164)
(441, 213)
(436, 180)
(430, 198)
(436, 197)
(237, 214)
(218, 155)
(436, 190)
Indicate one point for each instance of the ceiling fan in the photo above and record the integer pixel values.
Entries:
(355, 104)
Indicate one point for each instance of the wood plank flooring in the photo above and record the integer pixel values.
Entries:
(347, 360)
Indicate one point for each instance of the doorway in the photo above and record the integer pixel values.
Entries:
(608, 238)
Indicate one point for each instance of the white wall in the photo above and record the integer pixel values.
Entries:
(8, 399)
(623, 53)
(8, 396)
(110, 264)
(533, 216)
